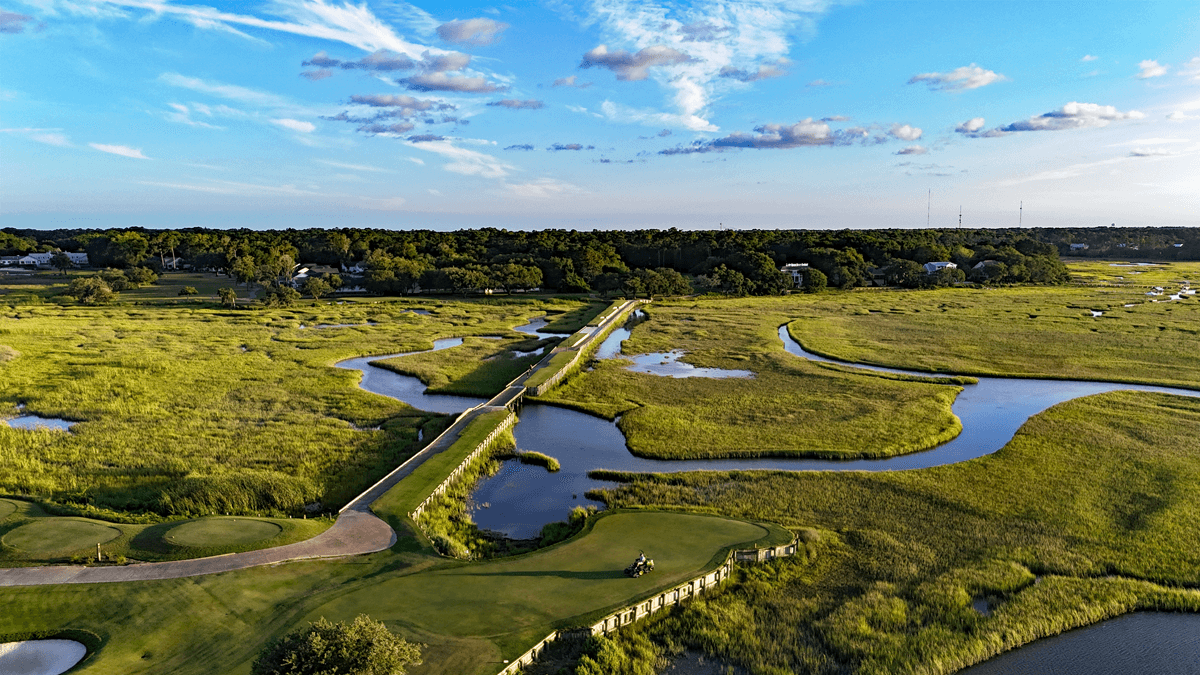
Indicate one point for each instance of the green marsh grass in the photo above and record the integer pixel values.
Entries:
(195, 410)
(1095, 497)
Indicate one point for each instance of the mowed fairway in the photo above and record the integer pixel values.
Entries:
(7, 508)
(583, 575)
(472, 615)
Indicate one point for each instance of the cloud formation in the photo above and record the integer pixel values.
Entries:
(439, 81)
(476, 32)
(465, 161)
(571, 81)
(1151, 152)
(1073, 115)
(514, 104)
(1088, 57)
(959, 79)
(569, 146)
(11, 22)
(904, 132)
(1191, 69)
(375, 129)
(632, 67)
(763, 72)
(522, 146)
(122, 150)
(1150, 69)
(913, 150)
(703, 31)
(971, 126)
(543, 188)
(295, 125)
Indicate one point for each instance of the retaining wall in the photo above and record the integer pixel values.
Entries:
(483, 447)
(656, 603)
(585, 346)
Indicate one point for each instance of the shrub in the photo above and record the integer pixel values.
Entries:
(189, 290)
(90, 290)
(364, 647)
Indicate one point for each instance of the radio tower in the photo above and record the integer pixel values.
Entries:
(960, 217)
(1021, 215)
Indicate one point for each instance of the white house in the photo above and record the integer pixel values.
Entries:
(7, 260)
(934, 267)
(78, 259)
(1079, 247)
(796, 271)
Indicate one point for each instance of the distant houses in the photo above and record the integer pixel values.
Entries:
(42, 260)
(935, 267)
(797, 271)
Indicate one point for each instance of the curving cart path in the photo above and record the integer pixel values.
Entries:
(356, 531)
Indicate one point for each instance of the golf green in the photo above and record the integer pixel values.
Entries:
(581, 576)
(59, 536)
(210, 532)
(6, 508)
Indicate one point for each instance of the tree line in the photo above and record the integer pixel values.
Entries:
(738, 262)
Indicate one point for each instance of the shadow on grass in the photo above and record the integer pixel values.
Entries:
(562, 574)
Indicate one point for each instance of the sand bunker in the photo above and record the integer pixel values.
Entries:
(40, 657)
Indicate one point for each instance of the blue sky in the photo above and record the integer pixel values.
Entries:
(604, 114)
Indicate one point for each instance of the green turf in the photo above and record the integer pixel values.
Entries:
(7, 508)
(471, 615)
(59, 535)
(210, 532)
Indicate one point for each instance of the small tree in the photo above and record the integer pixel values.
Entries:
(815, 281)
(316, 287)
(90, 290)
(228, 297)
(364, 647)
(61, 262)
(281, 296)
(188, 290)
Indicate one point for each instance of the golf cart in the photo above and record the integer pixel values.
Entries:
(640, 566)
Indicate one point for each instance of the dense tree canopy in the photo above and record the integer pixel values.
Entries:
(633, 262)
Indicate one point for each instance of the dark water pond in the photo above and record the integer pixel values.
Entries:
(1142, 643)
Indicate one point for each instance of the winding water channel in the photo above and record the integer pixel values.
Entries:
(521, 498)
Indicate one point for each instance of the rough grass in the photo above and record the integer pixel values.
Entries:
(1020, 331)
(470, 616)
(195, 410)
(791, 407)
(1095, 496)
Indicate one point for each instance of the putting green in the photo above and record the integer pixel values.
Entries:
(581, 576)
(59, 536)
(209, 532)
(6, 508)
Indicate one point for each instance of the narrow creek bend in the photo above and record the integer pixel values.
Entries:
(519, 499)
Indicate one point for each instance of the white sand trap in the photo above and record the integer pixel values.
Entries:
(40, 657)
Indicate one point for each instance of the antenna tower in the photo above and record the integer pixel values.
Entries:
(960, 217)
(1021, 216)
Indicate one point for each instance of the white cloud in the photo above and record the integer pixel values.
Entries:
(1180, 116)
(1151, 152)
(716, 35)
(543, 188)
(416, 160)
(970, 126)
(904, 132)
(47, 136)
(352, 167)
(478, 32)
(183, 115)
(959, 79)
(229, 91)
(1073, 115)
(122, 150)
(342, 22)
(1088, 57)
(652, 118)
(1191, 69)
(296, 125)
(913, 150)
(1151, 69)
(464, 161)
